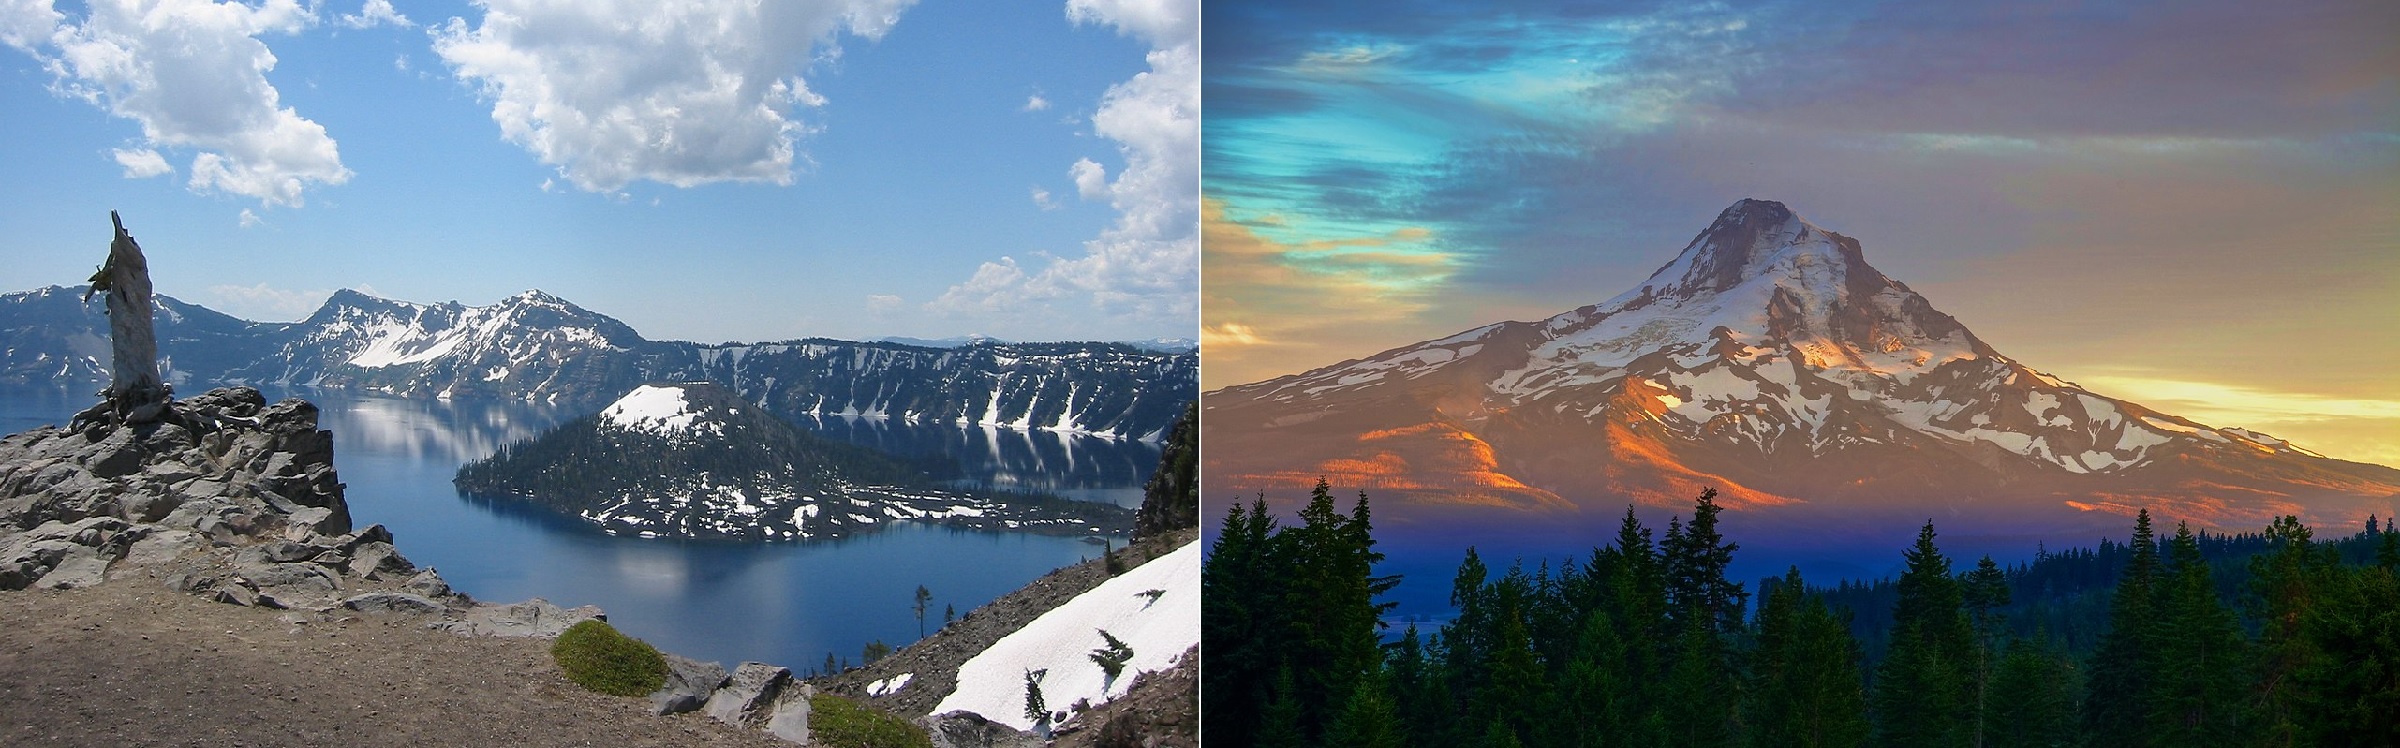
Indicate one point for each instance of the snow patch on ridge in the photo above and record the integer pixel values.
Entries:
(652, 408)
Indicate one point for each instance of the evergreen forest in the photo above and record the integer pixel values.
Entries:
(2177, 638)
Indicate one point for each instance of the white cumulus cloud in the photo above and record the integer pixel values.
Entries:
(1091, 179)
(1146, 265)
(377, 13)
(1034, 103)
(142, 163)
(26, 23)
(193, 74)
(986, 292)
(1041, 197)
(681, 92)
(249, 219)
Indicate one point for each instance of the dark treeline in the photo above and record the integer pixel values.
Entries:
(2063, 596)
(1646, 643)
(578, 459)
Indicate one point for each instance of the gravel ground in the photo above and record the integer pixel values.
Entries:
(132, 663)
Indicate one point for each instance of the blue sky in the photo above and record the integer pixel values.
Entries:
(843, 168)
(2187, 204)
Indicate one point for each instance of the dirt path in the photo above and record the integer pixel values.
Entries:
(131, 663)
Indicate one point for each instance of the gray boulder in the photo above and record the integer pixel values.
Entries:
(689, 684)
(76, 571)
(430, 584)
(399, 604)
(301, 577)
(535, 617)
(750, 691)
(789, 720)
(378, 560)
(162, 547)
(971, 730)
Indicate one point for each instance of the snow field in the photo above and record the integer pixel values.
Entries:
(1061, 641)
(651, 408)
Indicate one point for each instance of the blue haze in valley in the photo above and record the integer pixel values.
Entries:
(785, 603)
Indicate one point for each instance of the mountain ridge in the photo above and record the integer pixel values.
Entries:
(538, 346)
(1769, 360)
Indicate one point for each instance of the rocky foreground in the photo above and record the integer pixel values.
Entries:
(196, 581)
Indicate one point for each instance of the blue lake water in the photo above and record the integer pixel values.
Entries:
(784, 603)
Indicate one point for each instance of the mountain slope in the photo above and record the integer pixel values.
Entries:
(540, 347)
(1768, 359)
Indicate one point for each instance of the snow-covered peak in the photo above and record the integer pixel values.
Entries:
(654, 408)
(1760, 276)
(1754, 238)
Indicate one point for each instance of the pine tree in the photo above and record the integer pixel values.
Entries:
(1330, 574)
(1367, 719)
(923, 596)
(2201, 676)
(2117, 706)
(1413, 685)
(2031, 699)
(1700, 693)
(1985, 589)
(1696, 557)
(1516, 679)
(1242, 582)
(1279, 726)
(2284, 583)
(1923, 689)
(1036, 708)
(2348, 697)
(1804, 688)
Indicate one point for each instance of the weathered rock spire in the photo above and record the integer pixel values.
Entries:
(134, 389)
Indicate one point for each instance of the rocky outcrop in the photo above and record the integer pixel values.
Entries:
(233, 500)
(1171, 500)
(224, 467)
(229, 498)
(971, 730)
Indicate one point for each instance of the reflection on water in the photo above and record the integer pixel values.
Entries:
(1078, 466)
(786, 603)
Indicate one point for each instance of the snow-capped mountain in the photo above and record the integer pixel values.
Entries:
(1771, 361)
(540, 347)
(697, 460)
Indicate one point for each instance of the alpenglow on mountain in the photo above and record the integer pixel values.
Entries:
(1770, 361)
(695, 460)
(535, 346)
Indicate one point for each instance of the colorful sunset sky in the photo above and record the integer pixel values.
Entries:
(2191, 205)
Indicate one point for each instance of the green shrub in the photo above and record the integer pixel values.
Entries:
(841, 723)
(595, 656)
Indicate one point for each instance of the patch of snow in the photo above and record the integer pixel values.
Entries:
(992, 683)
(651, 408)
(2166, 425)
(889, 686)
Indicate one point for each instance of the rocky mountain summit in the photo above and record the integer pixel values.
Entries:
(696, 460)
(537, 346)
(1770, 360)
